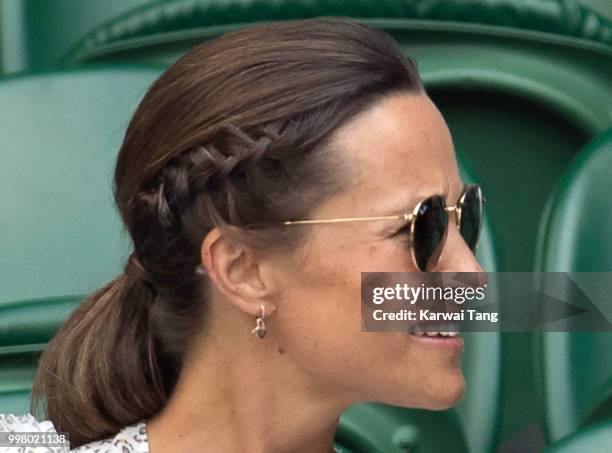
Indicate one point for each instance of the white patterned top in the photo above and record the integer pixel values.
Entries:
(131, 439)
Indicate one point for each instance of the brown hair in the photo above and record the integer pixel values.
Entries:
(236, 131)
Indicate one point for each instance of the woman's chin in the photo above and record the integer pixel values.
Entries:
(448, 394)
(441, 404)
(437, 395)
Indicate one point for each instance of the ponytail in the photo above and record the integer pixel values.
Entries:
(102, 371)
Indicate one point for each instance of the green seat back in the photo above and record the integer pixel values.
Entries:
(61, 235)
(41, 35)
(576, 236)
(596, 438)
(37, 34)
(25, 328)
(60, 226)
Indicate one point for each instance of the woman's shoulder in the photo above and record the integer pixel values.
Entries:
(131, 439)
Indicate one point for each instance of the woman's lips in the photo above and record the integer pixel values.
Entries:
(431, 329)
(444, 335)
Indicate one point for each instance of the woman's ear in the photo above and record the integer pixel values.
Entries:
(235, 271)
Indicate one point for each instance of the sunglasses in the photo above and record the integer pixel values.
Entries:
(427, 224)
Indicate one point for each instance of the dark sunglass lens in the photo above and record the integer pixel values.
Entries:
(471, 216)
(430, 227)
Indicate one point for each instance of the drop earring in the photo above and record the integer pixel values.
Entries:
(260, 329)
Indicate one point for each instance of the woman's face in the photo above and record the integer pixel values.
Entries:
(400, 152)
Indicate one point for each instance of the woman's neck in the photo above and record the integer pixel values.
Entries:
(246, 395)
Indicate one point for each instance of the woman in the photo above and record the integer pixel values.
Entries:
(230, 330)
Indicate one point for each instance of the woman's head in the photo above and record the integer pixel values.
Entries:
(287, 120)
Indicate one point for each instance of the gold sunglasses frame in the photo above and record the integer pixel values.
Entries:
(410, 217)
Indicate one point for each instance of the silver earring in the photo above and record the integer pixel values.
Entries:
(260, 329)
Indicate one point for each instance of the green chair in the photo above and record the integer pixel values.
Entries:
(480, 409)
(65, 239)
(575, 368)
(25, 328)
(60, 225)
(40, 35)
(61, 235)
(35, 35)
(596, 438)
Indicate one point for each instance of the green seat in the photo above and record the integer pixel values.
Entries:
(61, 235)
(373, 427)
(65, 239)
(576, 236)
(25, 328)
(596, 438)
(35, 35)
(480, 409)
(60, 226)
(40, 34)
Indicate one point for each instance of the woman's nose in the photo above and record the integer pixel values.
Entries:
(456, 255)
